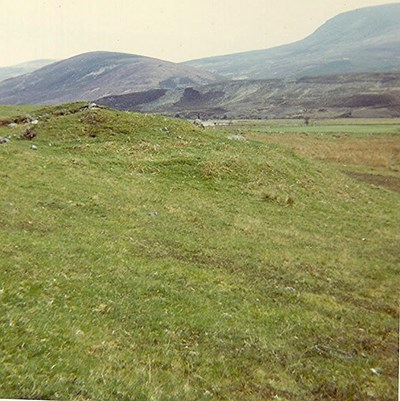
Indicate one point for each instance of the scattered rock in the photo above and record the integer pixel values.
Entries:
(5, 139)
(34, 122)
(12, 125)
(27, 119)
(92, 106)
(33, 147)
(236, 137)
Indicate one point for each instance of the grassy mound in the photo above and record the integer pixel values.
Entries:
(144, 258)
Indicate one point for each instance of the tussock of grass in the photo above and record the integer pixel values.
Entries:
(143, 258)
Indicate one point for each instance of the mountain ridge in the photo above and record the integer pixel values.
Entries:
(95, 74)
(12, 71)
(361, 40)
(366, 40)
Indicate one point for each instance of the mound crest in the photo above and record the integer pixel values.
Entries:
(78, 120)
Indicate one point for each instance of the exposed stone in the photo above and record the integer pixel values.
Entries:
(236, 137)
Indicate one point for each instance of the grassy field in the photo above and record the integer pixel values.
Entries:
(365, 145)
(142, 258)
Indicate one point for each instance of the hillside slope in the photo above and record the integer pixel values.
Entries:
(363, 40)
(359, 95)
(92, 75)
(23, 68)
(143, 258)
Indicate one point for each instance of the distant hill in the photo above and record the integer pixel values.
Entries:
(363, 40)
(96, 74)
(357, 95)
(23, 68)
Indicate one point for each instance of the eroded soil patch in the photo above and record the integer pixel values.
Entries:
(389, 182)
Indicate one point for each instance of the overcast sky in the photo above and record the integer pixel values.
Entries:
(174, 30)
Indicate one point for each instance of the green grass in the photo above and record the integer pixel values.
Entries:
(362, 127)
(9, 111)
(144, 259)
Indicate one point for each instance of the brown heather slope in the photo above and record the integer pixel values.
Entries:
(349, 95)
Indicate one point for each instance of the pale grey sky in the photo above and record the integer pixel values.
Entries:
(174, 30)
